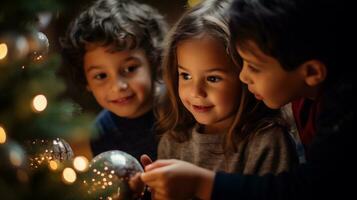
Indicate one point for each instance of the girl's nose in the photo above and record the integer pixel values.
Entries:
(198, 90)
(123, 85)
(120, 85)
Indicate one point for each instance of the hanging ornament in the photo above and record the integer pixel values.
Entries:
(109, 175)
(38, 44)
(13, 162)
(13, 47)
(43, 151)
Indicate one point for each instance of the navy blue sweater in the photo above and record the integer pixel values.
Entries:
(133, 136)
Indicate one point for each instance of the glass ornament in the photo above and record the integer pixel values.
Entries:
(109, 176)
(42, 151)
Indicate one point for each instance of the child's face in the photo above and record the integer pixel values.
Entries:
(209, 86)
(267, 80)
(120, 81)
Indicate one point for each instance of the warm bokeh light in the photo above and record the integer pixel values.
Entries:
(80, 163)
(69, 175)
(53, 165)
(3, 50)
(2, 135)
(39, 103)
(15, 158)
(22, 176)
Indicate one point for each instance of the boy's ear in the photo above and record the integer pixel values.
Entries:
(314, 72)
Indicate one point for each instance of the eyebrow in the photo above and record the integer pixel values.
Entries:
(219, 69)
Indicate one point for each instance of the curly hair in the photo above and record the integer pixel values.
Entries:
(118, 24)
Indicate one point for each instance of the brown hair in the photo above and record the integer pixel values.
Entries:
(208, 18)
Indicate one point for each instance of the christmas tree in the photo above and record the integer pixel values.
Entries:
(36, 162)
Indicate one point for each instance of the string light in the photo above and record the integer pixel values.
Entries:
(3, 50)
(53, 165)
(39, 103)
(2, 135)
(69, 175)
(80, 163)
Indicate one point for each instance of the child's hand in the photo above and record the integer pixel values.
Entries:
(135, 182)
(175, 179)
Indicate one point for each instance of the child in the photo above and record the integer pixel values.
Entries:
(290, 54)
(211, 120)
(114, 51)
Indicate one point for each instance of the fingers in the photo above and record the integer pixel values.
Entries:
(158, 164)
(136, 184)
(145, 160)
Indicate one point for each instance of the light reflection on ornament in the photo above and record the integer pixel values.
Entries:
(2, 135)
(69, 175)
(80, 163)
(3, 50)
(39, 103)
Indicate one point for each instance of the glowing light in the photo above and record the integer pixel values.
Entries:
(80, 163)
(3, 50)
(15, 158)
(39, 103)
(2, 135)
(53, 165)
(69, 175)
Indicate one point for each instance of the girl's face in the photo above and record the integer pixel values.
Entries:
(209, 85)
(267, 79)
(120, 81)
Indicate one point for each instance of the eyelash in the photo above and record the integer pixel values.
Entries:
(130, 69)
(100, 76)
(184, 76)
(214, 79)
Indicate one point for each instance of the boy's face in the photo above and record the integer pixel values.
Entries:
(267, 79)
(120, 81)
(209, 86)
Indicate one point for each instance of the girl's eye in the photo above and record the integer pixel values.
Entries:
(213, 79)
(185, 76)
(100, 76)
(130, 69)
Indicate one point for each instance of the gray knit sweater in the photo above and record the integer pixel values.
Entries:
(270, 151)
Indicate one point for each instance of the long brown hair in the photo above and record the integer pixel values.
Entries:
(207, 18)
